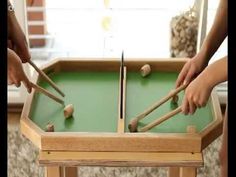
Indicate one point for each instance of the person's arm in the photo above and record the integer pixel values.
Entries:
(211, 43)
(217, 33)
(15, 72)
(16, 37)
(199, 90)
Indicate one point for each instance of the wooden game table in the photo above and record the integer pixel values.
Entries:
(97, 134)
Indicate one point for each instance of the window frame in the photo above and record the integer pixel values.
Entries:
(18, 95)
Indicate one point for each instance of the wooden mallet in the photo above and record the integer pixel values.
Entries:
(46, 78)
(134, 122)
(47, 93)
(160, 120)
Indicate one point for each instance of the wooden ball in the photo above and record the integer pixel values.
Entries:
(68, 111)
(50, 127)
(145, 70)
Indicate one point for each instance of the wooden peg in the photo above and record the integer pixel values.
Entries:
(68, 111)
(50, 127)
(145, 70)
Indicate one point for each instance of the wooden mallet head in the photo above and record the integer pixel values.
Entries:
(133, 125)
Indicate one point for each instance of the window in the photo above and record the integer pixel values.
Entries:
(103, 28)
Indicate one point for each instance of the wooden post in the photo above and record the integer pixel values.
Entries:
(70, 172)
(173, 172)
(188, 172)
(53, 171)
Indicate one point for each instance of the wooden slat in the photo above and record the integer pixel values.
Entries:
(173, 172)
(28, 128)
(113, 64)
(158, 64)
(213, 130)
(121, 126)
(100, 65)
(14, 107)
(31, 131)
(70, 172)
(124, 97)
(135, 142)
(53, 171)
(188, 172)
(120, 159)
(27, 105)
(121, 121)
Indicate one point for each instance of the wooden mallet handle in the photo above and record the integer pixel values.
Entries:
(160, 102)
(47, 93)
(46, 78)
(160, 120)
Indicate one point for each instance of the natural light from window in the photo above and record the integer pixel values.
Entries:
(103, 28)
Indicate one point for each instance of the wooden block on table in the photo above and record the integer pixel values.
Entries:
(50, 127)
(145, 70)
(68, 111)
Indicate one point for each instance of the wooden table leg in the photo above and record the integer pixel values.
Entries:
(53, 171)
(188, 172)
(173, 172)
(70, 172)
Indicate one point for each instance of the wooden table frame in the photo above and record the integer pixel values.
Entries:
(120, 140)
(64, 164)
(182, 152)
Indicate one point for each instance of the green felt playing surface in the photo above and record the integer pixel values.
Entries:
(143, 92)
(94, 96)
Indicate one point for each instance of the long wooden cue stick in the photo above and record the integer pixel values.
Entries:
(46, 78)
(47, 93)
(160, 102)
(160, 120)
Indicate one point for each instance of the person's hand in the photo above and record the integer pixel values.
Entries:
(16, 38)
(191, 69)
(15, 71)
(196, 95)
